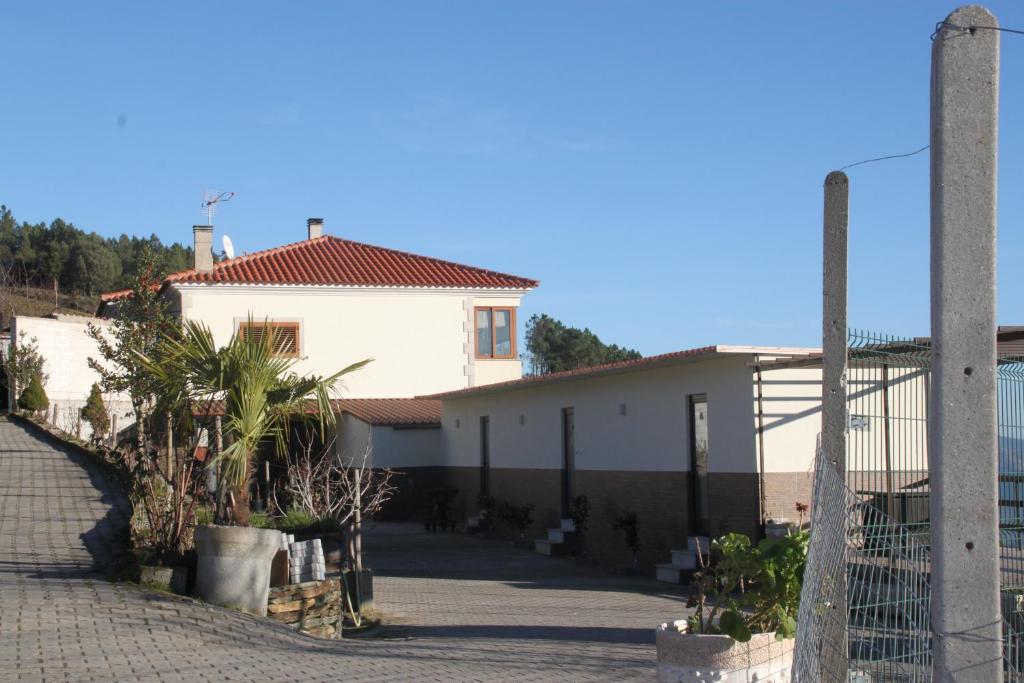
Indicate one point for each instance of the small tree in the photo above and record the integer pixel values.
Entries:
(23, 362)
(95, 413)
(141, 322)
(34, 399)
(518, 517)
(628, 523)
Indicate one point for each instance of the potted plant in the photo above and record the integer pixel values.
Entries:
(261, 396)
(746, 606)
(519, 518)
(628, 523)
(579, 512)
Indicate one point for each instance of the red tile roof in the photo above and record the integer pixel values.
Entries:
(636, 364)
(393, 411)
(374, 411)
(330, 260)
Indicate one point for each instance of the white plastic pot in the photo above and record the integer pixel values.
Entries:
(690, 657)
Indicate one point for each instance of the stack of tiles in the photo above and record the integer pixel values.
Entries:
(306, 561)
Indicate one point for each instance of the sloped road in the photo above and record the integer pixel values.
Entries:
(462, 609)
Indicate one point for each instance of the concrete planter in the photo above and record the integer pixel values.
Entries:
(174, 579)
(779, 529)
(687, 657)
(233, 566)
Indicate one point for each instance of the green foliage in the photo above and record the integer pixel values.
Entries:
(751, 589)
(295, 520)
(95, 413)
(486, 504)
(33, 398)
(78, 261)
(627, 522)
(261, 392)
(23, 362)
(139, 324)
(580, 513)
(518, 517)
(554, 347)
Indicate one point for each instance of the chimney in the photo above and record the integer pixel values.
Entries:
(315, 227)
(202, 248)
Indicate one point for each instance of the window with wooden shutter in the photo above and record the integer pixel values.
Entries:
(284, 336)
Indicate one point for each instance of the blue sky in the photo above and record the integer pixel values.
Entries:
(657, 165)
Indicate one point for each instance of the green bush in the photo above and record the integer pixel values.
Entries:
(751, 589)
(34, 399)
(95, 413)
(519, 517)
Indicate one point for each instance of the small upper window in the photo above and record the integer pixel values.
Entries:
(495, 333)
(285, 336)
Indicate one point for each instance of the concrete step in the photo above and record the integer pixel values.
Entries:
(693, 541)
(672, 573)
(567, 525)
(546, 547)
(560, 535)
(685, 558)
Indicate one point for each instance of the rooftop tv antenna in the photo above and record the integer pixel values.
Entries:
(210, 201)
(229, 248)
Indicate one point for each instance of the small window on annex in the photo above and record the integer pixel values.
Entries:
(495, 333)
(285, 336)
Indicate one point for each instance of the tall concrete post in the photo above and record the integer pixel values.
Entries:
(963, 466)
(833, 396)
(833, 335)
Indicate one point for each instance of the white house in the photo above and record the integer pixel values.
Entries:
(697, 442)
(430, 325)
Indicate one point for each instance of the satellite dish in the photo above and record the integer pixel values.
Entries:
(229, 248)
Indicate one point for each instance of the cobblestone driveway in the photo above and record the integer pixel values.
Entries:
(460, 608)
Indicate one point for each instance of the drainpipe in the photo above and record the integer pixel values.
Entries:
(760, 445)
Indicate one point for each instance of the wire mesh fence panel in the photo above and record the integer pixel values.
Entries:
(870, 529)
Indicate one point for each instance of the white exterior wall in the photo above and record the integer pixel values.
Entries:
(652, 436)
(393, 447)
(65, 345)
(421, 340)
(792, 418)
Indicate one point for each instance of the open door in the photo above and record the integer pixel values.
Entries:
(700, 508)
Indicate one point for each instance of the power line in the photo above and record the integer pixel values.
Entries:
(971, 29)
(891, 156)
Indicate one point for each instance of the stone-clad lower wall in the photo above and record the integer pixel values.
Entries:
(313, 607)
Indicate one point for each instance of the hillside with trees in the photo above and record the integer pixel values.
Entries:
(47, 267)
(553, 346)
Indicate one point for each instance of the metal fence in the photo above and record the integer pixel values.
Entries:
(871, 528)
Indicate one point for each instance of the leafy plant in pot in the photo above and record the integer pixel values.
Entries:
(261, 396)
(746, 605)
(517, 517)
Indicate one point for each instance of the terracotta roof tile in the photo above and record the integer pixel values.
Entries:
(393, 411)
(374, 411)
(700, 353)
(329, 260)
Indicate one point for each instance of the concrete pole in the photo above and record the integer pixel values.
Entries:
(833, 380)
(963, 467)
(833, 396)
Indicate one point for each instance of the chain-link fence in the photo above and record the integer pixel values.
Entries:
(865, 607)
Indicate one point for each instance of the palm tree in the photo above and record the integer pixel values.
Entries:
(261, 393)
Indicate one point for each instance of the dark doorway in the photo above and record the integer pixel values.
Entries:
(568, 460)
(485, 456)
(700, 509)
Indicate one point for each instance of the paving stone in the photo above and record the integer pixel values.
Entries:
(458, 608)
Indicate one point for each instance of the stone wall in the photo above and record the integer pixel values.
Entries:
(313, 607)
